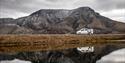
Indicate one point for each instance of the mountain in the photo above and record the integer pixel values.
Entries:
(61, 21)
(7, 21)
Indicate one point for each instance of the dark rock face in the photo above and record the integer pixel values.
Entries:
(60, 21)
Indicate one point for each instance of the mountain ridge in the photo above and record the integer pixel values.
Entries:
(61, 21)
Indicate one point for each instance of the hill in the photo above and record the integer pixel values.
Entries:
(61, 21)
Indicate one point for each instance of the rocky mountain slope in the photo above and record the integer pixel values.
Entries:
(54, 21)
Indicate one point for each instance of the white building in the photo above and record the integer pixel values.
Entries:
(85, 31)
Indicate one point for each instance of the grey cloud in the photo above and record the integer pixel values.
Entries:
(52, 0)
(16, 5)
(29, 6)
(103, 5)
(110, 4)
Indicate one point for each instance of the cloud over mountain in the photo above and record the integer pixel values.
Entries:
(19, 8)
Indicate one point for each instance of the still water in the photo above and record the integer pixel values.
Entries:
(117, 56)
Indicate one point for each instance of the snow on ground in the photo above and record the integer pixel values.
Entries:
(15, 61)
(114, 57)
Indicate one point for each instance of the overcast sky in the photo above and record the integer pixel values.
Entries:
(114, 9)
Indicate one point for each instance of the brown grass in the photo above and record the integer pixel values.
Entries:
(41, 42)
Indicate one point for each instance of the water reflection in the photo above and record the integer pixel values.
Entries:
(114, 57)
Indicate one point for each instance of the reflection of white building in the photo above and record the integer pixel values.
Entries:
(85, 49)
(85, 31)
